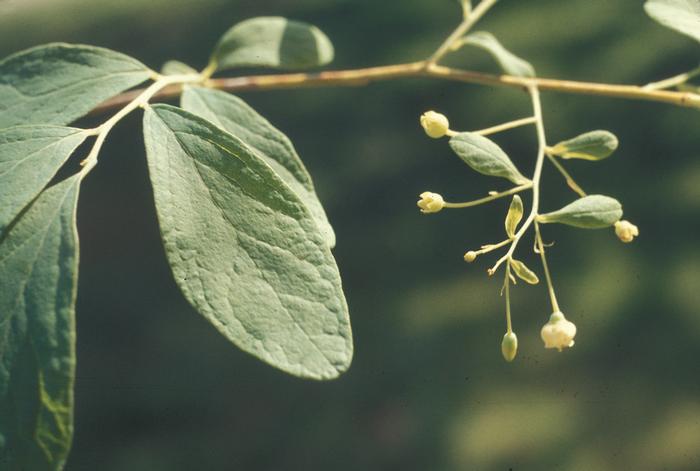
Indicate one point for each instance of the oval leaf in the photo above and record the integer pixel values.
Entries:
(272, 41)
(509, 62)
(593, 145)
(484, 156)
(58, 83)
(682, 16)
(523, 272)
(589, 212)
(29, 157)
(244, 249)
(39, 271)
(514, 216)
(232, 114)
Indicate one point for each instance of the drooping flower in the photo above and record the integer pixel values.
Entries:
(626, 231)
(559, 332)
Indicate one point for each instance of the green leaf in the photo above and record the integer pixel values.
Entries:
(484, 156)
(177, 68)
(39, 272)
(589, 212)
(514, 216)
(58, 83)
(29, 157)
(509, 62)
(244, 249)
(682, 16)
(593, 145)
(523, 272)
(272, 41)
(232, 114)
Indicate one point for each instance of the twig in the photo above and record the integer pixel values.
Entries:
(359, 77)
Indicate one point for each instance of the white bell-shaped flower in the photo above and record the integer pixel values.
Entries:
(559, 332)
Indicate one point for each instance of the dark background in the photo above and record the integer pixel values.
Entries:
(160, 389)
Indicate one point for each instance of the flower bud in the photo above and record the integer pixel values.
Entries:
(509, 346)
(558, 333)
(470, 256)
(435, 124)
(430, 202)
(626, 231)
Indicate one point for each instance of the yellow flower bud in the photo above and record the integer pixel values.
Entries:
(509, 346)
(435, 124)
(470, 256)
(626, 231)
(558, 333)
(430, 202)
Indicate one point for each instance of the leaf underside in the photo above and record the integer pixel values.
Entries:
(176, 68)
(39, 270)
(244, 249)
(233, 115)
(589, 212)
(509, 62)
(58, 83)
(682, 16)
(592, 145)
(29, 157)
(485, 156)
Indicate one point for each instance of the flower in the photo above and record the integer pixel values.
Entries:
(509, 346)
(626, 231)
(435, 124)
(558, 332)
(430, 202)
(470, 256)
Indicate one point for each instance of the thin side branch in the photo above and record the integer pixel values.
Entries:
(359, 77)
(470, 19)
(486, 199)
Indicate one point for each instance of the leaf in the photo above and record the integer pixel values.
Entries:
(39, 272)
(232, 114)
(514, 216)
(177, 68)
(682, 16)
(484, 156)
(593, 145)
(58, 83)
(509, 62)
(523, 272)
(244, 249)
(29, 157)
(589, 212)
(272, 41)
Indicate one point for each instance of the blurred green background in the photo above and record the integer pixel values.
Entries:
(160, 389)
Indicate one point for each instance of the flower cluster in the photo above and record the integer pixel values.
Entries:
(587, 211)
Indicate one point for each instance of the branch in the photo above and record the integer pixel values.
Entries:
(359, 77)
